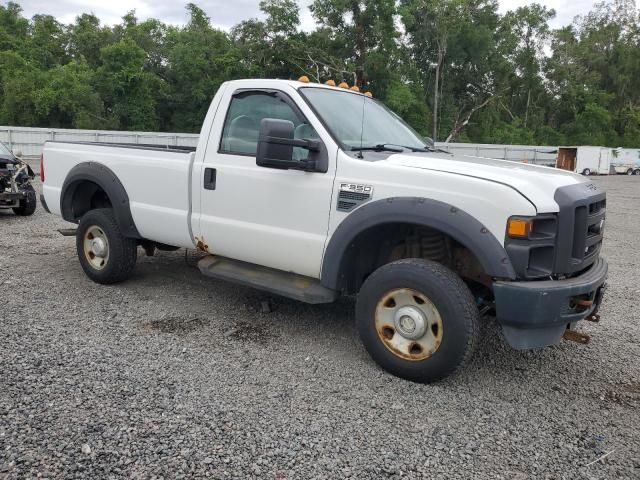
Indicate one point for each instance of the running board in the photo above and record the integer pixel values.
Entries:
(291, 285)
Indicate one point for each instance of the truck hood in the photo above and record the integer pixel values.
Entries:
(536, 183)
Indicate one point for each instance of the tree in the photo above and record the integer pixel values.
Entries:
(127, 89)
(87, 38)
(453, 38)
(273, 47)
(525, 34)
(67, 99)
(456, 68)
(362, 38)
(200, 59)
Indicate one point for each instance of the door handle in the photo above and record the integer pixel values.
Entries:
(209, 178)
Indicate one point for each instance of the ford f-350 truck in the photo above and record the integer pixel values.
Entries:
(312, 192)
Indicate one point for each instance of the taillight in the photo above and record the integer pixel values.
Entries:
(42, 168)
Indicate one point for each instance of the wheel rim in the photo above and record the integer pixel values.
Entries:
(96, 247)
(408, 324)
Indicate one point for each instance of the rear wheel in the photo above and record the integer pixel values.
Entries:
(630, 171)
(106, 256)
(28, 204)
(586, 172)
(417, 319)
(636, 171)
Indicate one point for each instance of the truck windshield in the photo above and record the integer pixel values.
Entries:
(358, 122)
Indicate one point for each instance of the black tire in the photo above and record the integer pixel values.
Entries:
(122, 251)
(630, 171)
(447, 292)
(28, 204)
(636, 171)
(586, 172)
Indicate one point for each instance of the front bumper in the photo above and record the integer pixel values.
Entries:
(535, 314)
(10, 199)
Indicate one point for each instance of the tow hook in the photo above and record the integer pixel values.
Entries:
(575, 336)
(594, 317)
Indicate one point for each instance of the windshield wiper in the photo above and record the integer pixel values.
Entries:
(395, 147)
(381, 147)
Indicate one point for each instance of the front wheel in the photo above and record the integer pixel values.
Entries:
(636, 171)
(630, 171)
(417, 319)
(106, 256)
(586, 172)
(28, 204)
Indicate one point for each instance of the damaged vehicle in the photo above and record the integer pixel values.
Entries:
(16, 191)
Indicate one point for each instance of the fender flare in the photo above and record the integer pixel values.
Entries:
(107, 180)
(458, 224)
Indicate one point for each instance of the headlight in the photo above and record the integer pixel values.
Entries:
(530, 243)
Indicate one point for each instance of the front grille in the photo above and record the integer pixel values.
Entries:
(580, 227)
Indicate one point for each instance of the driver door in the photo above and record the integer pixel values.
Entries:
(266, 216)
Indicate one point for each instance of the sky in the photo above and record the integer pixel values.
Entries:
(226, 13)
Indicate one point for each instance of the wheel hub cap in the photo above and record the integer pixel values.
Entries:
(410, 322)
(99, 247)
(96, 247)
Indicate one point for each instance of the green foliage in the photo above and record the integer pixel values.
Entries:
(458, 68)
(67, 98)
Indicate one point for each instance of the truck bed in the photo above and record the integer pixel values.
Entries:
(139, 146)
(157, 180)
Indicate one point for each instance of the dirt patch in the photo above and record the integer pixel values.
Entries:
(250, 332)
(625, 394)
(176, 325)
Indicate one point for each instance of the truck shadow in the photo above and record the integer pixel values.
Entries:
(212, 309)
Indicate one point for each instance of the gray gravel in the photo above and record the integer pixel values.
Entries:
(175, 375)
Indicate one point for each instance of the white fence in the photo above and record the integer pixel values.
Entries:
(539, 155)
(30, 140)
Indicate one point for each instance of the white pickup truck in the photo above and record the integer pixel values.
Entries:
(312, 191)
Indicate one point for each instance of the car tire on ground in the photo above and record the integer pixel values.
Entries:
(586, 172)
(630, 171)
(106, 256)
(636, 171)
(28, 204)
(417, 319)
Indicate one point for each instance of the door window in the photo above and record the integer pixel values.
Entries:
(242, 125)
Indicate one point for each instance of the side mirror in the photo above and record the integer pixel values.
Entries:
(275, 146)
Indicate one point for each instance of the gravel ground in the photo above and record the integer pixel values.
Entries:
(175, 375)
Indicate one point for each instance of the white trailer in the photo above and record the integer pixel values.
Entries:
(585, 160)
(626, 161)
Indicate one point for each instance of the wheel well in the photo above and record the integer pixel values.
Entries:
(86, 195)
(389, 242)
